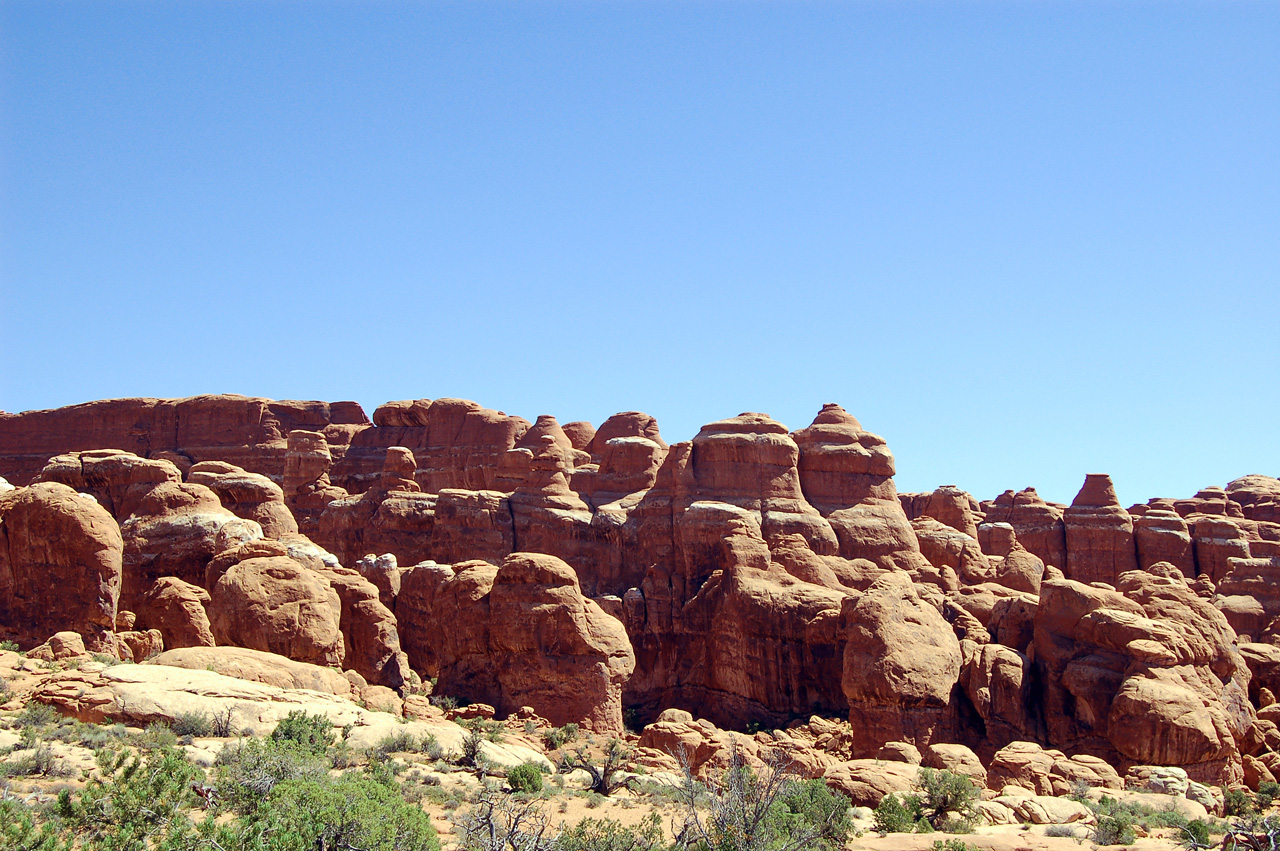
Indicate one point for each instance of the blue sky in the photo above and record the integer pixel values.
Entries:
(1024, 241)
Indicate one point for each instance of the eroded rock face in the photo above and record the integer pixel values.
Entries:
(178, 610)
(518, 635)
(60, 566)
(276, 605)
(557, 651)
(1099, 534)
(760, 575)
(901, 662)
(1148, 673)
(118, 480)
(241, 430)
(847, 474)
(249, 495)
(176, 530)
(1161, 535)
(1038, 525)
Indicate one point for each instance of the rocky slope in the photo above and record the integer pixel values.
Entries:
(752, 576)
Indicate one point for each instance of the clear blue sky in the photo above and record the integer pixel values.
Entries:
(1024, 241)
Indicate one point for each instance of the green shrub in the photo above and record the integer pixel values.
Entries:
(609, 835)
(191, 724)
(350, 812)
(401, 742)
(19, 829)
(1114, 828)
(897, 814)
(1195, 834)
(9, 645)
(472, 744)
(560, 736)
(525, 778)
(944, 795)
(432, 748)
(1060, 830)
(157, 737)
(40, 760)
(1268, 791)
(135, 803)
(248, 772)
(961, 845)
(36, 716)
(1236, 802)
(312, 733)
(804, 803)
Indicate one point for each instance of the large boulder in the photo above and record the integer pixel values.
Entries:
(518, 635)
(252, 496)
(901, 662)
(557, 651)
(1149, 673)
(274, 604)
(178, 610)
(60, 565)
(176, 530)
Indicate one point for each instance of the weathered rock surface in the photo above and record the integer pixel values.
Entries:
(248, 432)
(60, 566)
(179, 610)
(257, 666)
(1099, 534)
(518, 635)
(252, 496)
(276, 605)
(901, 662)
(750, 575)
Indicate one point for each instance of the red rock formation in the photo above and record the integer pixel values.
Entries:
(119, 480)
(1257, 496)
(624, 425)
(732, 560)
(556, 650)
(306, 486)
(579, 433)
(178, 610)
(247, 432)
(948, 504)
(1012, 565)
(249, 495)
(1099, 534)
(1161, 535)
(276, 605)
(1038, 525)
(943, 546)
(901, 661)
(391, 517)
(176, 530)
(60, 566)
(1149, 675)
(457, 443)
(1217, 540)
(847, 473)
(518, 635)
